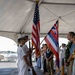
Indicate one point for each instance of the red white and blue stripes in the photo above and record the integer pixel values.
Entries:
(36, 30)
(52, 41)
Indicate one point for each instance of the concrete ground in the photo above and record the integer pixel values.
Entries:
(14, 71)
(10, 68)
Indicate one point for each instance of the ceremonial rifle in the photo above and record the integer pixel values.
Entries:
(30, 58)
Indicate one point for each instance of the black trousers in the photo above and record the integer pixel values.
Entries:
(45, 68)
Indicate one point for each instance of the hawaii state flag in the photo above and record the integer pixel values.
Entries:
(52, 41)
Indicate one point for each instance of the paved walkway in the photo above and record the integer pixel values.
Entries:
(14, 71)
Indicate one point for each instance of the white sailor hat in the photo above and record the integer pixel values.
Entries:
(20, 38)
(23, 37)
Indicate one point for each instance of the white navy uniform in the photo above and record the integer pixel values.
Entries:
(22, 66)
(26, 49)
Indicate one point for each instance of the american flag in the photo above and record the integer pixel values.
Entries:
(36, 30)
(52, 41)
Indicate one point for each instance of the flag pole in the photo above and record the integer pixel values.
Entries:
(42, 40)
(58, 32)
(30, 58)
(37, 0)
(40, 44)
(58, 39)
(61, 67)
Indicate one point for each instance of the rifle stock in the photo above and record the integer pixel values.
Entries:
(33, 71)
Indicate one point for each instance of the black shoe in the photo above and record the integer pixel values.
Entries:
(29, 69)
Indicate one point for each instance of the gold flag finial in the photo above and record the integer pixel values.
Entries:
(37, 0)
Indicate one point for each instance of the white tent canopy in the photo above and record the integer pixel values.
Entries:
(16, 16)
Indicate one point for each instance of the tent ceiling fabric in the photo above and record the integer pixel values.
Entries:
(16, 16)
